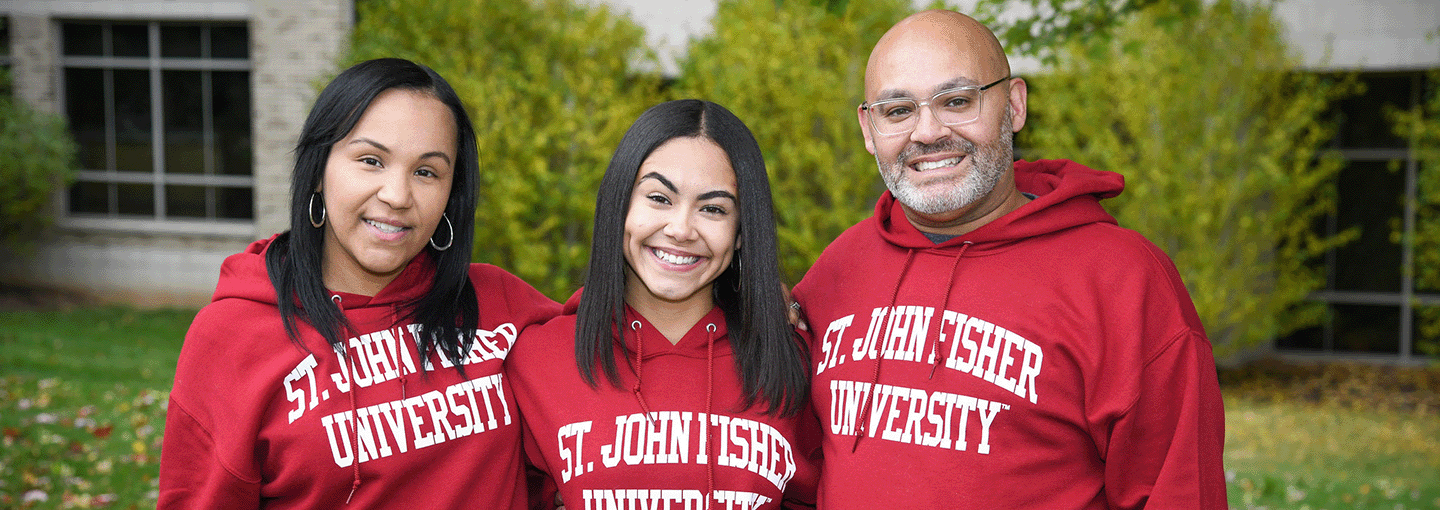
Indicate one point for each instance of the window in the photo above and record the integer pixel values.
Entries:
(161, 113)
(5, 61)
(1374, 307)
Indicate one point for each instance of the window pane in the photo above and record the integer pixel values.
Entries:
(231, 100)
(85, 111)
(1311, 338)
(4, 36)
(185, 201)
(90, 197)
(138, 199)
(184, 122)
(133, 149)
(1367, 328)
(235, 203)
(1363, 124)
(1371, 198)
(229, 41)
(1427, 331)
(82, 39)
(130, 40)
(180, 41)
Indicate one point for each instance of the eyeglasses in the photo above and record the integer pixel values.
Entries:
(960, 105)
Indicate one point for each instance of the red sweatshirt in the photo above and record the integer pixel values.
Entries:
(1047, 360)
(603, 452)
(256, 421)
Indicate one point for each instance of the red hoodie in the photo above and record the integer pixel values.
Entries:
(1072, 371)
(256, 421)
(603, 452)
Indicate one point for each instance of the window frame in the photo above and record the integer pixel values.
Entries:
(156, 65)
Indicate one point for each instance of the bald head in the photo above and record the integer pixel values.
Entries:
(931, 37)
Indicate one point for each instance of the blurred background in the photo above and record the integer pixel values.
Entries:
(1285, 154)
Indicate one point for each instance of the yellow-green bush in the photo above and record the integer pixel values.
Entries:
(794, 72)
(1421, 127)
(1220, 141)
(551, 87)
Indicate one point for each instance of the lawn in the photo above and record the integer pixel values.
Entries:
(82, 404)
(83, 392)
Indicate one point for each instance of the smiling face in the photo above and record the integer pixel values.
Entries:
(680, 231)
(385, 188)
(945, 173)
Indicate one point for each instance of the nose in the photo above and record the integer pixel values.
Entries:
(395, 189)
(928, 128)
(678, 226)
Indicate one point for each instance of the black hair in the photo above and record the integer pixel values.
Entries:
(449, 313)
(770, 360)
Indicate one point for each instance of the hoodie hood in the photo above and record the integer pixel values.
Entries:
(244, 276)
(1067, 195)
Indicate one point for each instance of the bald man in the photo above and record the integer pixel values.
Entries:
(990, 338)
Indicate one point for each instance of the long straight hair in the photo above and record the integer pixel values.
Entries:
(449, 312)
(770, 361)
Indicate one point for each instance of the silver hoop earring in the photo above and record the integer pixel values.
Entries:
(739, 272)
(311, 207)
(451, 240)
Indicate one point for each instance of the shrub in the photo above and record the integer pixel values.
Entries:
(551, 86)
(39, 159)
(1221, 150)
(794, 72)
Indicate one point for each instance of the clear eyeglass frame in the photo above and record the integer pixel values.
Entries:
(887, 128)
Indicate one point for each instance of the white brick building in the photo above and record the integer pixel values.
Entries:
(186, 112)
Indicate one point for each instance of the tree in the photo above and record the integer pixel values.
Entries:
(551, 86)
(39, 158)
(1220, 140)
(1039, 28)
(794, 72)
(1422, 127)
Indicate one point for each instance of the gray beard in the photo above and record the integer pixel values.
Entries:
(987, 164)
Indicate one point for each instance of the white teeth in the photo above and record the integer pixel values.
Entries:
(385, 227)
(674, 259)
(931, 165)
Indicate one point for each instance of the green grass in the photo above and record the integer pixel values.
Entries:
(82, 405)
(83, 392)
(1298, 455)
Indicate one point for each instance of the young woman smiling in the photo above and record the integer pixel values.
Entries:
(684, 291)
(355, 359)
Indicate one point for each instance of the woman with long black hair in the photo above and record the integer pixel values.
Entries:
(674, 378)
(356, 358)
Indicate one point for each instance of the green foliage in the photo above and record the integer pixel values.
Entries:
(1221, 150)
(551, 86)
(1422, 127)
(38, 155)
(1045, 26)
(794, 72)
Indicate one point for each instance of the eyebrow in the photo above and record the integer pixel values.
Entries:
(719, 193)
(946, 85)
(382, 147)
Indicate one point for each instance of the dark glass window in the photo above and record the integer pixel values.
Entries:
(183, 86)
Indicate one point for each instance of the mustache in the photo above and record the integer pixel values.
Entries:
(917, 149)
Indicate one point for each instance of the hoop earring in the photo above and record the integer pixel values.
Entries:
(451, 228)
(311, 207)
(739, 272)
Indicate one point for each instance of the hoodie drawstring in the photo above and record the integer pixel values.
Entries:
(639, 369)
(709, 405)
(354, 413)
(940, 342)
(875, 376)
